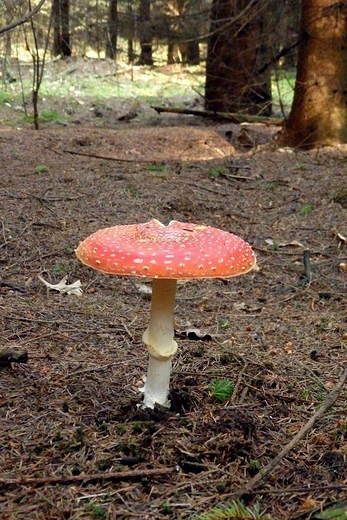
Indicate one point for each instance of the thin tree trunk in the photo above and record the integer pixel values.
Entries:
(111, 46)
(145, 33)
(65, 28)
(319, 114)
(61, 28)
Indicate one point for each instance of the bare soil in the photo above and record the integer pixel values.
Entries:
(73, 441)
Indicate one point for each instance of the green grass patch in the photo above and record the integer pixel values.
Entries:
(5, 98)
(156, 167)
(214, 173)
(79, 84)
(233, 510)
(305, 210)
(46, 116)
(41, 168)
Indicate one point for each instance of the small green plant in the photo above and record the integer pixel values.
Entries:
(224, 323)
(104, 427)
(305, 210)
(214, 173)
(137, 427)
(59, 269)
(41, 168)
(304, 394)
(341, 197)
(156, 167)
(79, 435)
(98, 511)
(14, 154)
(321, 395)
(233, 510)
(166, 508)
(341, 429)
(323, 325)
(270, 185)
(254, 464)
(222, 389)
(221, 487)
(131, 190)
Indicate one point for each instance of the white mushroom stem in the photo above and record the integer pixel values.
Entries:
(158, 338)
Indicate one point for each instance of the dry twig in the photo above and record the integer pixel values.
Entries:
(112, 475)
(328, 402)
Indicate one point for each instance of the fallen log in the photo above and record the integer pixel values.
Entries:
(232, 117)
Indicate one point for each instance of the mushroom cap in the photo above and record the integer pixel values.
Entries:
(178, 250)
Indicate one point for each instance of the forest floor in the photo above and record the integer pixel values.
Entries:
(74, 443)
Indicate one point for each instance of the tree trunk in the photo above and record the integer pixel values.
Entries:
(111, 46)
(130, 37)
(193, 53)
(183, 31)
(145, 33)
(65, 28)
(319, 114)
(238, 48)
(61, 28)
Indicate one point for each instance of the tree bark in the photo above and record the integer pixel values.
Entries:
(238, 47)
(111, 46)
(319, 111)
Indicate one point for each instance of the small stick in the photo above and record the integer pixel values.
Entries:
(327, 403)
(112, 475)
(307, 266)
(105, 157)
(306, 280)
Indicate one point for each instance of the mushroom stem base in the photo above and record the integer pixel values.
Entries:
(156, 388)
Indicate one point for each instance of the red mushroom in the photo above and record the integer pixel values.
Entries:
(166, 254)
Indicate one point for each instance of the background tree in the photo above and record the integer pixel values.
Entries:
(111, 46)
(185, 20)
(319, 111)
(146, 33)
(61, 28)
(238, 49)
